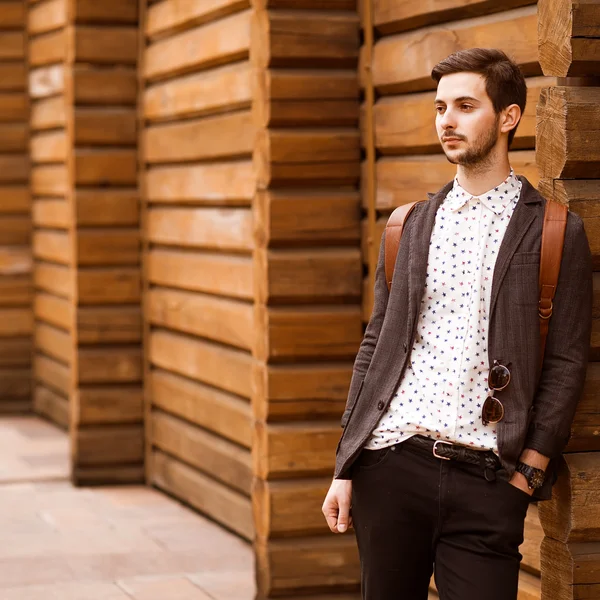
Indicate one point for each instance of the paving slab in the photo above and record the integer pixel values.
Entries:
(103, 543)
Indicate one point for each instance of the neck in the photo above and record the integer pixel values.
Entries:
(480, 178)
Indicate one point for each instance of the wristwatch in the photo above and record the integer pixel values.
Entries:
(535, 477)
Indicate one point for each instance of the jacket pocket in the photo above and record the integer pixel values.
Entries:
(348, 412)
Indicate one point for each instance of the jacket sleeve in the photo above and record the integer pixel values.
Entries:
(567, 347)
(367, 346)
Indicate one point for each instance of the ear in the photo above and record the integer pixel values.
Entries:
(511, 116)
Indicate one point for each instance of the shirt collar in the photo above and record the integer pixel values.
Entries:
(496, 199)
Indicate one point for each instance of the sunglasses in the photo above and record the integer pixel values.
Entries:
(498, 379)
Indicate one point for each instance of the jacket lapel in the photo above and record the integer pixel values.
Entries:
(418, 251)
(522, 218)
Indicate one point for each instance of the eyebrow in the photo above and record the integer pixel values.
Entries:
(460, 99)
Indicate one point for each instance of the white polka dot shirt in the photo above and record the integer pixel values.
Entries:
(445, 383)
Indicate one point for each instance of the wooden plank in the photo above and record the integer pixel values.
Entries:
(46, 81)
(572, 515)
(104, 207)
(308, 5)
(171, 17)
(15, 229)
(53, 278)
(49, 180)
(13, 106)
(295, 217)
(307, 564)
(110, 166)
(51, 405)
(300, 153)
(109, 325)
(16, 290)
(567, 122)
(211, 273)
(227, 321)
(12, 45)
(530, 548)
(105, 45)
(395, 134)
(107, 445)
(324, 275)
(581, 196)
(12, 15)
(214, 456)
(54, 342)
(403, 63)
(53, 310)
(13, 169)
(53, 246)
(222, 367)
(109, 286)
(48, 48)
(103, 86)
(104, 126)
(223, 89)
(13, 76)
(230, 135)
(306, 39)
(13, 137)
(223, 41)
(230, 183)
(16, 406)
(407, 179)
(316, 113)
(15, 260)
(107, 405)
(308, 332)
(570, 570)
(308, 84)
(284, 450)
(208, 407)
(219, 502)
(49, 147)
(585, 429)
(106, 12)
(108, 475)
(227, 229)
(109, 364)
(46, 16)
(568, 37)
(51, 213)
(49, 113)
(105, 246)
(16, 352)
(309, 174)
(15, 383)
(393, 16)
(300, 391)
(52, 374)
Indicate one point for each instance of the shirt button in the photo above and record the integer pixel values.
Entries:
(380, 405)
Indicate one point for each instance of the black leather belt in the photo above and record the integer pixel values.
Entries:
(447, 451)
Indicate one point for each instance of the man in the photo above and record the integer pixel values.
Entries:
(449, 427)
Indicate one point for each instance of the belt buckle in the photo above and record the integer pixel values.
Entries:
(435, 449)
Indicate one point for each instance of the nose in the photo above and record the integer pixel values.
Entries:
(447, 120)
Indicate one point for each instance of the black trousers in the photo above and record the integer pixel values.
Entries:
(415, 515)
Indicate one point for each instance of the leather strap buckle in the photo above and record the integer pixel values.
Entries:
(435, 449)
(545, 312)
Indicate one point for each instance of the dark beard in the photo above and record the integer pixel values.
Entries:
(480, 154)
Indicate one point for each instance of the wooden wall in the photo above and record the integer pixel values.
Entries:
(307, 284)
(568, 157)
(197, 142)
(410, 38)
(16, 321)
(88, 365)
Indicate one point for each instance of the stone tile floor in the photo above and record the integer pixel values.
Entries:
(58, 542)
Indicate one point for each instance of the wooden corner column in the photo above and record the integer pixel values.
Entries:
(568, 156)
(16, 316)
(88, 363)
(307, 274)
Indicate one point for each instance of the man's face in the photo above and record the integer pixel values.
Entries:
(467, 126)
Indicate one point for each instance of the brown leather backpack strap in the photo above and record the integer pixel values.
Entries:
(393, 233)
(553, 239)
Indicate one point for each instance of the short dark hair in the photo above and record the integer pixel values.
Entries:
(504, 81)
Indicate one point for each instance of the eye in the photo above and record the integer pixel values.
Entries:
(439, 109)
(466, 106)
